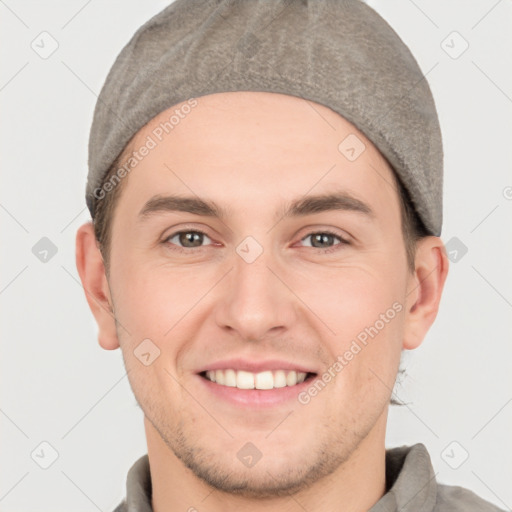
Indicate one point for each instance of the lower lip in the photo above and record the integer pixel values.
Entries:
(256, 397)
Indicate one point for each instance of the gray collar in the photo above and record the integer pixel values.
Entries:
(410, 480)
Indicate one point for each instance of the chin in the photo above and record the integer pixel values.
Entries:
(276, 473)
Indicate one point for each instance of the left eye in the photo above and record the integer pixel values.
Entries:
(188, 239)
(324, 239)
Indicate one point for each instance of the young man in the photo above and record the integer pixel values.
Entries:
(265, 183)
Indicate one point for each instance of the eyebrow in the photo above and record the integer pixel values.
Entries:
(297, 208)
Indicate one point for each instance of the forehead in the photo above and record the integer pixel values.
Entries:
(256, 146)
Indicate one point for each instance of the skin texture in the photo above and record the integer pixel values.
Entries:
(253, 153)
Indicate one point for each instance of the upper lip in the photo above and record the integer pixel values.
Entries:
(254, 366)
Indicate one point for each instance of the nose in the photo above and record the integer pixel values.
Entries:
(256, 302)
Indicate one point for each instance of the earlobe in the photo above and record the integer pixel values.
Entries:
(91, 269)
(425, 289)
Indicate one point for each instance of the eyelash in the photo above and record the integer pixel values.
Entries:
(322, 232)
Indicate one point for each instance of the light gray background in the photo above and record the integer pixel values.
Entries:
(59, 386)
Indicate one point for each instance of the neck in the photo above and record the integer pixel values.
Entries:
(355, 486)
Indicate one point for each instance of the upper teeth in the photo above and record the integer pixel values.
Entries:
(263, 380)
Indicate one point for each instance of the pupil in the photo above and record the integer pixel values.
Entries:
(323, 238)
(187, 239)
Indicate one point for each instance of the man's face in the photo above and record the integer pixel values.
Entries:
(261, 291)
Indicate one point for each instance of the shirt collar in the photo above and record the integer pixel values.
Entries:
(410, 483)
(410, 480)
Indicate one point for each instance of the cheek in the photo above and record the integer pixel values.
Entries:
(351, 299)
(364, 311)
(151, 300)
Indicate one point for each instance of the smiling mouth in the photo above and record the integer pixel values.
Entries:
(270, 379)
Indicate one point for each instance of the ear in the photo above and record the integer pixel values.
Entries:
(424, 290)
(90, 266)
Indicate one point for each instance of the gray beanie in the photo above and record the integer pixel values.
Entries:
(338, 53)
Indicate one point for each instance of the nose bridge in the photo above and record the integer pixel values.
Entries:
(255, 301)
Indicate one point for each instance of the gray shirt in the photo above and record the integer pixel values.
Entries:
(410, 487)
